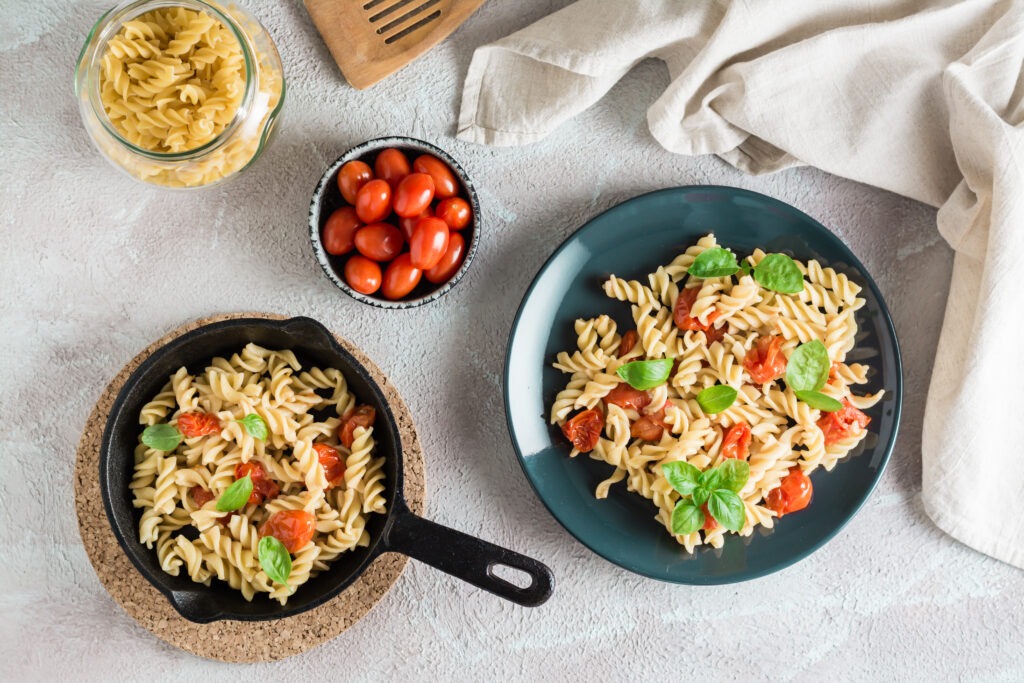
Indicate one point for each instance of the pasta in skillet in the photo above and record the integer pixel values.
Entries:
(742, 361)
(298, 438)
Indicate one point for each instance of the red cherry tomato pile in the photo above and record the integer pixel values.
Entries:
(402, 223)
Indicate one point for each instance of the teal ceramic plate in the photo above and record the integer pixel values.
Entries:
(631, 240)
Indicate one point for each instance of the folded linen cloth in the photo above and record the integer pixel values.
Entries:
(925, 99)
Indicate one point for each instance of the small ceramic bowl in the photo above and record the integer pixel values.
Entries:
(327, 197)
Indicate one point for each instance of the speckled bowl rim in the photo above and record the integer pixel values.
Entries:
(368, 147)
(885, 449)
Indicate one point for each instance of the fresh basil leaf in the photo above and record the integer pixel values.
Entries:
(727, 508)
(162, 437)
(236, 495)
(807, 367)
(716, 399)
(274, 559)
(710, 479)
(779, 273)
(681, 475)
(686, 518)
(746, 267)
(714, 262)
(646, 374)
(816, 399)
(733, 474)
(700, 494)
(255, 426)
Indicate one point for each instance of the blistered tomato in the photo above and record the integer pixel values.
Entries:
(584, 429)
(294, 528)
(332, 462)
(360, 416)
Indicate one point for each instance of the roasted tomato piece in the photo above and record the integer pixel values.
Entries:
(360, 416)
(736, 443)
(684, 321)
(584, 429)
(198, 424)
(263, 489)
(792, 494)
(627, 397)
(330, 460)
(710, 523)
(629, 340)
(200, 495)
(647, 428)
(765, 361)
(294, 528)
(842, 423)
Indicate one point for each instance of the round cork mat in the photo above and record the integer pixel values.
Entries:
(232, 641)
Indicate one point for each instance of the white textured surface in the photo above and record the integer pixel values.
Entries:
(94, 266)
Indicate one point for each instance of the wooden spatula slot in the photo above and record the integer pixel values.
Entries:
(374, 38)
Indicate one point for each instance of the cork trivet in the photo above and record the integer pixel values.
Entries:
(232, 641)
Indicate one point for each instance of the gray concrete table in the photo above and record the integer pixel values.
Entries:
(95, 266)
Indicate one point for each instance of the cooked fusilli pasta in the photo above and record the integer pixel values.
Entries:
(305, 414)
(717, 330)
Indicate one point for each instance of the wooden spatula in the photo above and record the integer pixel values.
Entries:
(371, 39)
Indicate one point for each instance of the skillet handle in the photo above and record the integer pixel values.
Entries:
(468, 558)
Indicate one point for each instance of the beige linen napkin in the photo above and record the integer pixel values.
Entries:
(921, 98)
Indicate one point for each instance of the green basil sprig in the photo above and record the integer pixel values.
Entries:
(716, 398)
(779, 273)
(718, 487)
(255, 426)
(162, 437)
(807, 372)
(714, 262)
(274, 559)
(646, 374)
(236, 495)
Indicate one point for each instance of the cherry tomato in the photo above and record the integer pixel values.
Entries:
(429, 243)
(294, 528)
(710, 523)
(647, 429)
(841, 424)
(736, 442)
(362, 274)
(455, 212)
(413, 195)
(450, 262)
(400, 278)
(373, 201)
(200, 495)
(408, 225)
(198, 424)
(584, 429)
(360, 416)
(627, 397)
(684, 321)
(765, 361)
(629, 340)
(445, 183)
(379, 241)
(340, 230)
(793, 493)
(263, 489)
(391, 166)
(331, 461)
(352, 176)
(833, 372)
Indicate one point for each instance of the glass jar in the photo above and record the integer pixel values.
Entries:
(145, 105)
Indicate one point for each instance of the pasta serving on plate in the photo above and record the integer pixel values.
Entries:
(256, 472)
(729, 389)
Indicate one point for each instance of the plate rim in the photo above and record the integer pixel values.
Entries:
(854, 261)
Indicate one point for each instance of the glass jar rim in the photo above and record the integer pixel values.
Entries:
(105, 29)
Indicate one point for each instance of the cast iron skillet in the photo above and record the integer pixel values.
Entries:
(465, 557)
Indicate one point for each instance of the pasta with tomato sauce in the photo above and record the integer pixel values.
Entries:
(302, 441)
(736, 330)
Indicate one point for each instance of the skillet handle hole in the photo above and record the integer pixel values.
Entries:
(511, 575)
